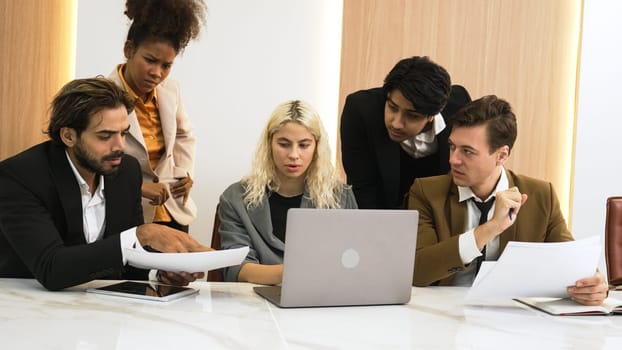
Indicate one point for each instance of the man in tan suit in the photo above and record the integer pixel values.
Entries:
(453, 239)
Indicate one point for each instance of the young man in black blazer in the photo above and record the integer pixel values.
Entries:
(69, 206)
(396, 133)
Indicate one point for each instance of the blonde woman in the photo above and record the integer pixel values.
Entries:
(291, 169)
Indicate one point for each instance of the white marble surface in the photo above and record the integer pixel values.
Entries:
(231, 316)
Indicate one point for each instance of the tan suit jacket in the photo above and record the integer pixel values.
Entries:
(178, 157)
(442, 219)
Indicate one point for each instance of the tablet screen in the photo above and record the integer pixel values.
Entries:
(144, 290)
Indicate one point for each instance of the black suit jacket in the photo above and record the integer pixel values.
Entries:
(371, 159)
(41, 229)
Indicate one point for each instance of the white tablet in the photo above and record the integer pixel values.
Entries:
(144, 290)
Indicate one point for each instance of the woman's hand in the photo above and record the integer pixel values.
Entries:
(156, 192)
(182, 187)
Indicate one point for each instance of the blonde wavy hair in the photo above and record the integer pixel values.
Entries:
(321, 179)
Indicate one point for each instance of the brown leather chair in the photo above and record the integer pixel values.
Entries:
(613, 240)
(215, 275)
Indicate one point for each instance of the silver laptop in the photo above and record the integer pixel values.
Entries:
(339, 257)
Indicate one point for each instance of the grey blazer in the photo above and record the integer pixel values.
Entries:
(253, 228)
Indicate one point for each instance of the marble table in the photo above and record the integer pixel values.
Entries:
(232, 316)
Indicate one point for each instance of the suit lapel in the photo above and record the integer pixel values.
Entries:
(443, 151)
(262, 221)
(68, 193)
(167, 107)
(510, 233)
(114, 203)
(135, 130)
(388, 155)
(455, 210)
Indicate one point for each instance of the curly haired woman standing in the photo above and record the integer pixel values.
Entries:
(160, 135)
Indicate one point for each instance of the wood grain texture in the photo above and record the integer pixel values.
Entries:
(525, 51)
(37, 40)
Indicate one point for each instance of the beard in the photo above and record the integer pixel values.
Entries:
(91, 163)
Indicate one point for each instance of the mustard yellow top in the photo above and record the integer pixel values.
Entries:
(148, 117)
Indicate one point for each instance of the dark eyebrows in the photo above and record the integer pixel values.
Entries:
(464, 147)
(152, 57)
(411, 111)
(112, 132)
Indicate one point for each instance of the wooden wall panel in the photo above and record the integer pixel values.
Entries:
(37, 40)
(525, 51)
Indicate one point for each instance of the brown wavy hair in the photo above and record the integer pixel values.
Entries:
(79, 100)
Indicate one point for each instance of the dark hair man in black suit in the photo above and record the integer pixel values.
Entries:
(394, 134)
(69, 206)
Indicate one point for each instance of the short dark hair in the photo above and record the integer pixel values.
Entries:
(80, 99)
(172, 20)
(498, 116)
(424, 83)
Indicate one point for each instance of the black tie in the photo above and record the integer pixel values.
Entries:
(484, 208)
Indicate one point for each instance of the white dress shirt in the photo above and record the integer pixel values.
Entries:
(424, 143)
(94, 214)
(466, 242)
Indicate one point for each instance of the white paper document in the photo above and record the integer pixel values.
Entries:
(188, 262)
(537, 269)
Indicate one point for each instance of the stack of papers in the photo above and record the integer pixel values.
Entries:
(186, 262)
(537, 269)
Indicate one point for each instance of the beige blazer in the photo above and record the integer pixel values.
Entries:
(442, 219)
(178, 157)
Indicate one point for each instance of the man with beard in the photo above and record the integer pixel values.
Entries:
(71, 205)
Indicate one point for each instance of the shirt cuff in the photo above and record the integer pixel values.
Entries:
(468, 247)
(129, 241)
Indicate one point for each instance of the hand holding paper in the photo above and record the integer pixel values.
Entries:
(589, 291)
(186, 262)
(537, 269)
(167, 240)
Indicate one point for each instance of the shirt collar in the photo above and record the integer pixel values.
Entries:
(465, 193)
(84, 187)
(153, 95)
(438, 125)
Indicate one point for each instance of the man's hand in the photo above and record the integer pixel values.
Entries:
(589, 291)
(156, 192)
(178, 279)
(167, 240)
(507, 206)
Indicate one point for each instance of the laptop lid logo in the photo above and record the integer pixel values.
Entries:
(350, 258)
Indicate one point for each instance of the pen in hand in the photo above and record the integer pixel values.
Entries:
(511, 214)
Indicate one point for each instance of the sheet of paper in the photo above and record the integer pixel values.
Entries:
(188, 262)
(537, 269)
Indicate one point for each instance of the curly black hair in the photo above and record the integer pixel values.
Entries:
(177, 21)
(424, 83)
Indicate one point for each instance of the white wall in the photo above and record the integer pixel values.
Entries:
(252, 56)
(598, 160)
